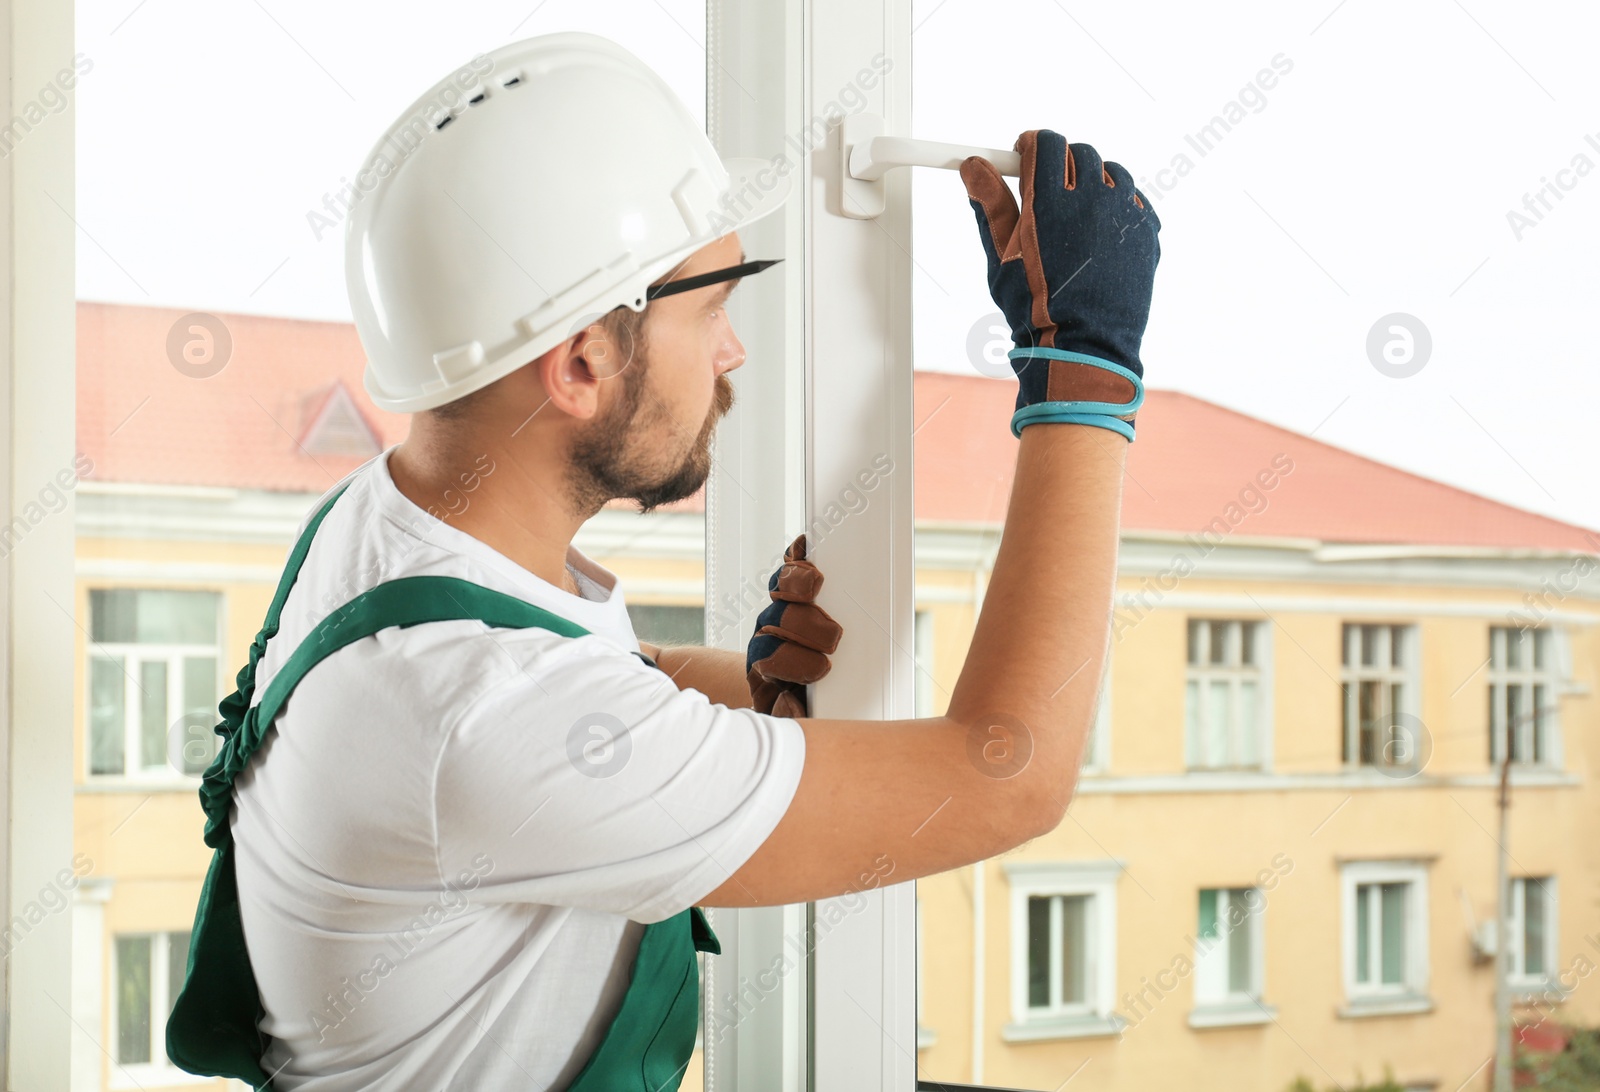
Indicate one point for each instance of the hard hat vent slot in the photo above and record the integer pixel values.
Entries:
(448, 118)
(475, 99)
(512, 82)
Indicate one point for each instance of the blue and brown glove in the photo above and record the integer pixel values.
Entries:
(793, 638)
(1072, 272)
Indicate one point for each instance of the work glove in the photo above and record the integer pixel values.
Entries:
(793, 638)
(1071, 270)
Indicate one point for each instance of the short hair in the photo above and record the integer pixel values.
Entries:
(623, 326)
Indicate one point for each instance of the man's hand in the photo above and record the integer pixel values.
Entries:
(793, 638)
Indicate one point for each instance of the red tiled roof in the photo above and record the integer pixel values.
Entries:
(1192, 459)
(141, 420)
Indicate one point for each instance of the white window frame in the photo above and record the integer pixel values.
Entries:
(1408, 676)
(158, 1071)
(1234, 673)
(1097, 1015)
(1550, 677)
(832, 327)
(134, 655)
(38, 437)
(1229, 1007)
(1374, 998)
(1517, 945)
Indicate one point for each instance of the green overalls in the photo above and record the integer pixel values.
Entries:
(213, 1027)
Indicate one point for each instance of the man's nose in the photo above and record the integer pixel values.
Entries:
(729, 353)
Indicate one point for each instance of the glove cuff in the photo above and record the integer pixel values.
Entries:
(1076, 388)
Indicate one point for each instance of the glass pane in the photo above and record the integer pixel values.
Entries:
(1515, 730)
(1194, 750)
(153, 616)
(198, 745)
(1513, 648)
(1248, 732)
(1541, 648)
(1367, 713)
(1394, 933)
(1247, 642)
(1369, 646)
(133, 999)
(661, 624)
(1346, 719)
(153, 713)
(1074, 949)
(1218, 722)
(1240, 942)
(1346, 638)
(1219, 643)
(1208, 914)
(1397, 646)
(1399, 748)
(108, 726)
(1195, 639)
(1534, 909)
(1536, 726)
(1364, 933)
(1038, 951)
(177, 965)
(1496, 738)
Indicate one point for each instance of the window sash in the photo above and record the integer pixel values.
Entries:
(1223, 707)
(1228, 963)
(154, 687)
(146, 975)
(1060, 947)
(1523, 681)
(1377, 682)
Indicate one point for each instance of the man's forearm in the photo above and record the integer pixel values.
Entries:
(718, 673)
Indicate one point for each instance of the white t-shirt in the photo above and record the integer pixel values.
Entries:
(436, 888)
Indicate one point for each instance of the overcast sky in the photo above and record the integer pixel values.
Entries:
(1372, 172)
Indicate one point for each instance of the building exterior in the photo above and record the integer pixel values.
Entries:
(1280, 857)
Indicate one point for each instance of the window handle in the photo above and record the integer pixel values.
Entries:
(867, 153)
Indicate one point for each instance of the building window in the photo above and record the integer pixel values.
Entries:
(1385, 937)
(668, 624)
(1228, 949)
(153, 681)
(1378, 688)
(1223, 710)
(148, 975)
(1063, 949)
(1522, 688)
(1532, 929)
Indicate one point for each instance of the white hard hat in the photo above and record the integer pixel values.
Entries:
(550, 180)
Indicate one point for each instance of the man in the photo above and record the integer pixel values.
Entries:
(469, 852)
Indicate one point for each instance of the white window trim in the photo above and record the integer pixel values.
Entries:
(1515, 976)
(1552, 677)
(1097, 879)
(1412, 995)
(1409, 676)
(1264, 702)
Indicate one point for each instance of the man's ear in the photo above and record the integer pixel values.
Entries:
(570, 378)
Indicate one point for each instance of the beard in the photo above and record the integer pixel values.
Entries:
(619, 454)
